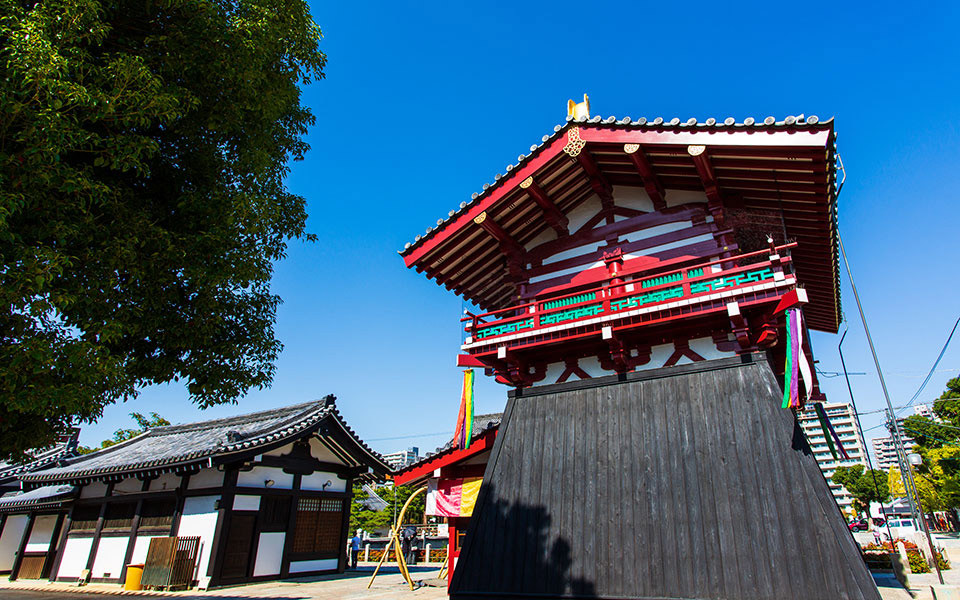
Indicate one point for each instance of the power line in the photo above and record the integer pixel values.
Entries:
(934, 367)
(408, 437)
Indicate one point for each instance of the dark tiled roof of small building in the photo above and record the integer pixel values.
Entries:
(177, 446)
(481, 424)
(799, 122)
(38, 459)
(41, 497)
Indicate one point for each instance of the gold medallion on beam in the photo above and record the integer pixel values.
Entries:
(526, 183)
(479, 219)
(631, 148)
(695, 150)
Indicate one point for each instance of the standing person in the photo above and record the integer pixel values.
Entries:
(877, 537)
(355, 549)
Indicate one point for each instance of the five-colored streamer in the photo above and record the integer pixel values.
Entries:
(796, 366)
(465, 416)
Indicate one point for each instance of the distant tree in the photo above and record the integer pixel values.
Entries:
(930, 498)
(368, 520)
(864, 485)
(928, 433)
(947, 406)
(144, 148)
(120, 435)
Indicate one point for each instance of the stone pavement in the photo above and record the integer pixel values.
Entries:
(389, 585)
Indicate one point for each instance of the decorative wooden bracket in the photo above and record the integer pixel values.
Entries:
(701, 160)
(650, 181)
(740, 327)
(681, 348)
(511, 370)
(551, 213)
(619, 358)
(572, 365)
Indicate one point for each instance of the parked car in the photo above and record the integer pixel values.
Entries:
(900, 527)
(859, 526)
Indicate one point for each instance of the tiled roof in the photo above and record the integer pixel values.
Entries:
(481, 423)
(48, 495)
(177, 446)
(657, 124)
(38, 459)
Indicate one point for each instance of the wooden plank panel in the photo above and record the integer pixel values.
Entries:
(692, 483)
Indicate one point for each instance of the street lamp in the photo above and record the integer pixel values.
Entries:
(915, 460)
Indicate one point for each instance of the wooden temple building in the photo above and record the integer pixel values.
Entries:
(250, 498)
(448, 468)
(645, 288)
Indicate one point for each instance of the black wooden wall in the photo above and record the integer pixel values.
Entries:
(689, 482)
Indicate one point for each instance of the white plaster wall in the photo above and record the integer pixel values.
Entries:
(130, 485)
(10, 540)
(41, 533)
(109, 559)
(303, 566)
(140, 548)
(591, 365)
(706, 348)
(279, 451)
(588, 209)
(95, 489)
(632, 197)
(200, 518)
(246, 503)
(316, 480)
(166, 481)
(205, 478)
(258, 475)
(658, 355)
(649, 232)
(322, 453)
(269, 554)
(75, 554)
(547, 235)
(678, 197)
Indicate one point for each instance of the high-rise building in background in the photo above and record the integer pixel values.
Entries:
(883, 449)
(399, 460)
(842, 418)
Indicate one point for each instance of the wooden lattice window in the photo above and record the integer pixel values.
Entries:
(157, 514)
(318, 527)
(119, 515)
(85, 518)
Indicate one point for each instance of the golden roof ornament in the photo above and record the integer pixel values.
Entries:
(577, 110)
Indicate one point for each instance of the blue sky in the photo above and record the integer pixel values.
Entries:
(424, 102)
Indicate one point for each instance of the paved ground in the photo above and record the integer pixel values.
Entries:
(389, 585)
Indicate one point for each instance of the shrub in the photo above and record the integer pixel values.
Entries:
(917, 563)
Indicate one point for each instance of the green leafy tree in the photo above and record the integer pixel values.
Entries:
(947, 406)
(120, 435)
(395, 497)
(864, 485)
(143, 152)
(928, 433)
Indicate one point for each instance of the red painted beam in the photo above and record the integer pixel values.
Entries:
(650, 182)
(424, 469)
(551, 213)
(792, 138)
(702, 161)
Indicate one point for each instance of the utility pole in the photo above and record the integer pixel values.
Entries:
(895, 427)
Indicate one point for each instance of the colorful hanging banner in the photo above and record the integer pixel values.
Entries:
(452, 497)
(462, 435)
(796, 365)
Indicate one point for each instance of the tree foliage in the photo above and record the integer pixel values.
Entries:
(369, 520)
(929, 433)
(947, 406)
(121, 435)
(864, 485)
(143, 152)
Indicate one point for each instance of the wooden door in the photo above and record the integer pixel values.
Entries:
(239, 546)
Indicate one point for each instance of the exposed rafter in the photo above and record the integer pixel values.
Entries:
(551, 213)
(702, 161)
(650, 181)
(513, 251)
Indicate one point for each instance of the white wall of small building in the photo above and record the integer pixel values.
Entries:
(200, 519)
(10, 538)
(109, 559)
(75, 554)
(41, 533)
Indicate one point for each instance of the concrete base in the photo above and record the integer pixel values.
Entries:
(945, 592)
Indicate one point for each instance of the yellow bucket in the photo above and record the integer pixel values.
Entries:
(134, 573)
